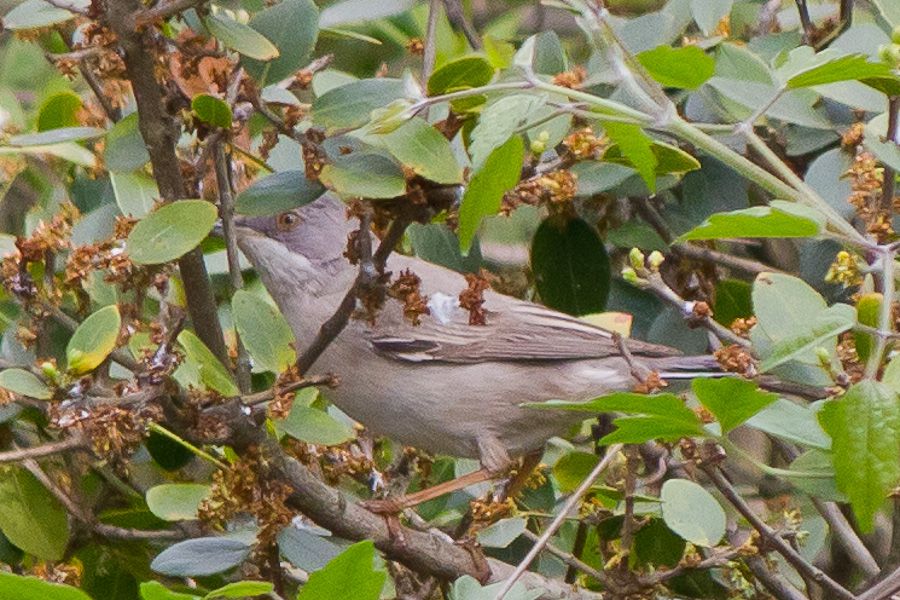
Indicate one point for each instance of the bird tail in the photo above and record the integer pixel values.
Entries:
(687, 367)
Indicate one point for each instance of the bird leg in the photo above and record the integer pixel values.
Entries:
(517, 482)
(399, 503)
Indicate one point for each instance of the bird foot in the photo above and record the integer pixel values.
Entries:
(483, 569)
(384, 507)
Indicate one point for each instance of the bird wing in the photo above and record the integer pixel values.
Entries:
(515, 330)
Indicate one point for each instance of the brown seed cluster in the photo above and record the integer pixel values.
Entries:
(407, 289)
(415, 46)
(742, 326)
(246, 488)
(736, 359)
(555, 189)
(61, 573)
(485, 512)
(572, 78)
(583, 144)
(651, 384)
(866, 179)
(281, 406)
(472, 298)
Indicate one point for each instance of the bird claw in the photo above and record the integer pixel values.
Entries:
(384, 507)
(483, 569)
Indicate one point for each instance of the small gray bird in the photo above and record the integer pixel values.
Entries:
(443, 385)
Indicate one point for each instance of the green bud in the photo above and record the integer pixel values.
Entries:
(544, 136)
(656, 260)
(895, 35)
(636, 258)
(629, 275)
(538, 147)
(50, 371)
(823, 356)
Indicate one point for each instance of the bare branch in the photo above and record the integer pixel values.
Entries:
(48, 449)
(557, 522)
(160, 135)
(369, 269)
(771, 538)
(164, 10)
(226, 213)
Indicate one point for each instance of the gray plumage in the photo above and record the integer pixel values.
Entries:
(443, 385)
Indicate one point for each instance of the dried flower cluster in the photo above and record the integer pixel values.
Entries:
(407, 289)
(471, 299)
(866, 179)
(555, 189)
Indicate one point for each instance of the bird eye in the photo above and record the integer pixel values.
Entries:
(287, 221)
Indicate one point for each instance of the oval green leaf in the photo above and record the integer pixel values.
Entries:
(93, 340)
(350, 105)
(176, 501)
(292, 26)
(755, 222)
(30, 517)
(212, 111)
(366, 175)
(277, 193)
(240, 38)
(263, 331)
(692, 512)
(56, 136)
(571, 267)
(312, 425)
(241, 589)
(213, 373)
(170, 231)
(425, 150)
(25, 383)
(462, 73)
(32, 588)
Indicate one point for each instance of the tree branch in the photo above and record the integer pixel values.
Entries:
(48, 449)
(161, 136)
(771, 538)
(163, 11)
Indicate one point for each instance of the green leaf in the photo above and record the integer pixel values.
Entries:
(348, 575)
(363, 174)
(277, 193)
(813, 473)
(34, 14)
(125, 149)
(637, 147)
(154, 590)
(656, 544)
(484, 194)
(692, 512)
(732, 301)
(212, 110)
(201, 556)
(30, 517)
(731, 400)
(572, 468)
(829, 66)
(755, 222)
(136, 193)
(263, 331)
(687, 67)
(59, 110)
(292, 26)
(669, 159)
(662, 405)
(93, 340)
(170, 231)
(864, 425)
(708, 14)
(549, 54)
(31, 588)
(644, 428)
(213, 374)
(459, 74)
(499, 121)
(418, 145)
(792, 422)
(240, 37)
(176, 501)
(436, 243)
(502, 533)
(314, 426)
(241, 589)
(827, 324)
(570, 265)
(25, 383)
(56, 136)
(350, 105)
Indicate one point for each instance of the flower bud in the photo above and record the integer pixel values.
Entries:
(655, 260)
(629, 275)
(50, 371)
(636, 258)
(895, 35)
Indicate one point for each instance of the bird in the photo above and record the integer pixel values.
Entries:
(441, 384)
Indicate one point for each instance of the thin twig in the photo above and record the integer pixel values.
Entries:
(890, 175)
(226, 213)
(430, 52)
(164, 10)
(776, 585)
(370, 267)
(160, 134)
(560, 518)
(48, 449)
(809, 29)
(571, 560)
(267, 395)
(771, 537)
